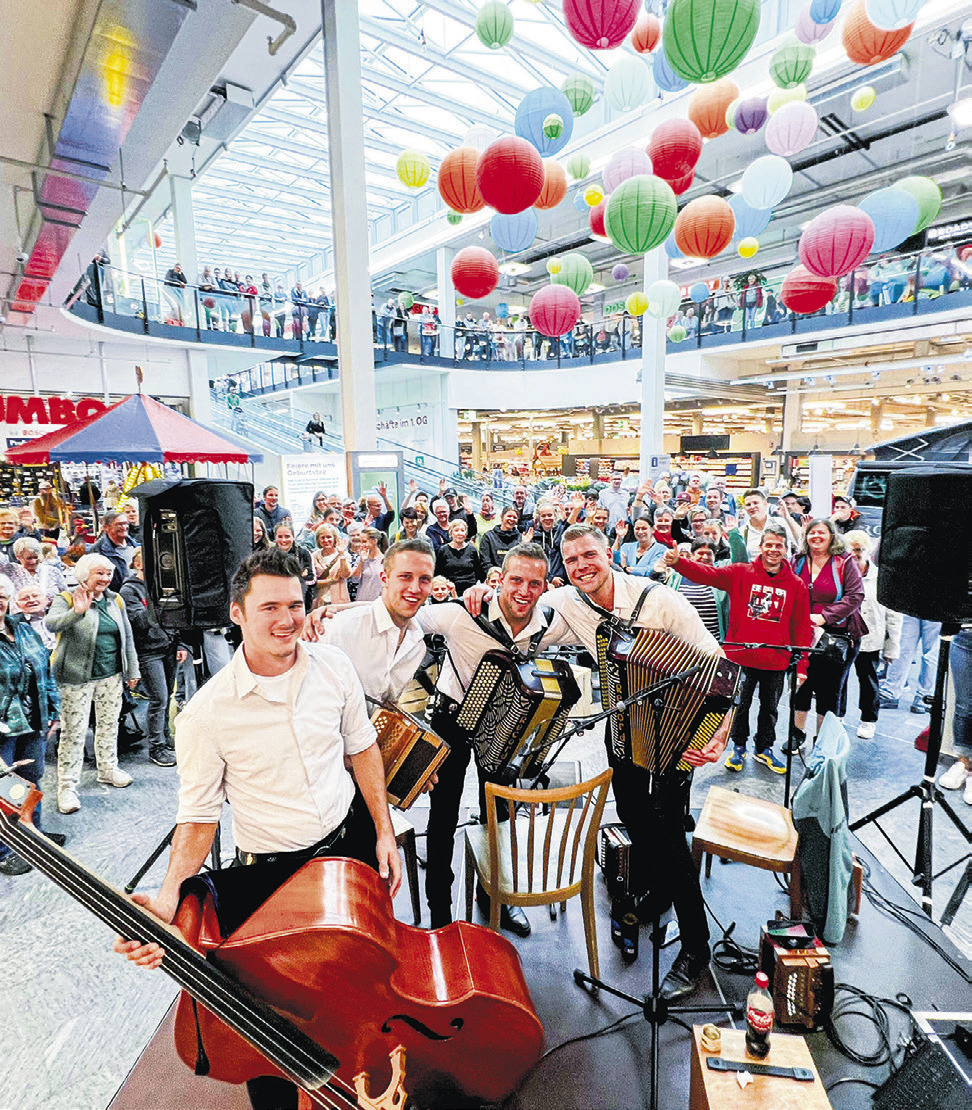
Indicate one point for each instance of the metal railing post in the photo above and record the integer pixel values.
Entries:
(914, 306)
(195, 297)
(852, 290)
(145, 319)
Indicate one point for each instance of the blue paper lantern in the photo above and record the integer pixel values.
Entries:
(894, 213)
(534, 109)
(891, 15)
(580, 203)
(699, 293)
(502, 310)
(750, 222)
(767, 181)
(665, 77)
(824, 11)
(670, 248)
(514, 233)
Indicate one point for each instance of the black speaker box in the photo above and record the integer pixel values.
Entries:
(925, 561)
(195, 533)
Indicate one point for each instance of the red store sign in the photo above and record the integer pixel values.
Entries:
(47, 410)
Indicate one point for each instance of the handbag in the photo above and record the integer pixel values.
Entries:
(13, 720)
(835, 645)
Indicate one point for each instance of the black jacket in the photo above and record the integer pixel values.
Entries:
(550, 542)
(151, 640)
(494, 544)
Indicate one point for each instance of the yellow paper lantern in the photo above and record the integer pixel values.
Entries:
(636, 304)
(413, 168)
(593, 195)
(778, 97)
(748, 246)
(553, 265)
(863, 98)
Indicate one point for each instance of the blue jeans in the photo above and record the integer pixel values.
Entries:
(158, 678)
(30, 745)
(913, 632)
(961, 661)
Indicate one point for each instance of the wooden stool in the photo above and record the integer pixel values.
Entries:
(405, 838)
(749, 830)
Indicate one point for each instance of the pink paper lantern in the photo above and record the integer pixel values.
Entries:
(600, 24)
(625, 163)
(791, 129)
(804, 292)
(810, 33)
(836, 241)
(596, 219)
(510, 175)
(674, 148)
(475, 272)
(554, 310)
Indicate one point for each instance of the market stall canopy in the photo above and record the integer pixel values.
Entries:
(136, 429)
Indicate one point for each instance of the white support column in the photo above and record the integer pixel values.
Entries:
(184, 228)
(446, 292)
(652, 369)
(349, 214)
(792, 415)
(200, 401)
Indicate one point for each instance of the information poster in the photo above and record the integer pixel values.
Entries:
(301, 476)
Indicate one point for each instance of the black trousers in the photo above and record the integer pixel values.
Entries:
(866, 666)
(662, 861)
(826, 684)
(770, 685)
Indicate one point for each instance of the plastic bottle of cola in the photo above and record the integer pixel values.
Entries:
(759, 1017)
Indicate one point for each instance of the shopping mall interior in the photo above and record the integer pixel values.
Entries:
(474, 244)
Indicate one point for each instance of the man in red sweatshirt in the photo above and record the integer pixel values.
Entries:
(768, 604)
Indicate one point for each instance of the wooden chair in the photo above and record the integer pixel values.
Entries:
(405, 839)
(539, 858)
(749, 830)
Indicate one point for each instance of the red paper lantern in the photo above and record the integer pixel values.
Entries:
(707, 108)
(554, 310)
(704, 227)
(596, 219)
(510, 174)
(805, 292)
(554, 185)
(600, 24)
(475, 272)
(647, 32)
(866, 44)
(457, 180)
(836, 241)
(674, 148)
(682, 184)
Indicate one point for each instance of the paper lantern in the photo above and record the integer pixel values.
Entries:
(554, 310)
(579, 91)
(929, 198)
(600, 24)
(479, 137)
(863, 98)
(836, 241)
(866, 44)
(665, 77)
(209, 302)
(708, 105)
(894, 213)
(553, 266)
(413, 168)
(766, 181)
(677, 334)
(751, 114)
(674, 148)
(707, 40)
(593, 195)
(636, 304)
(620, 272)
(891, 15)
(704, 227)
(682, 184)
(792, 128)
(699, 293)
(628, 83)
(554, 185)
(731, 112)
(640, 213)
(824, 11)
(596, 220)
(578, 166)
(406, 300)
(475, 272)
(533, 109)
(454, 218)
(502, 311)
(575, 272)
(623, 164)
(510, 174)
(494, 24)
(153, 239)
(664, 297)
(778, 97)
(748, 247)
(791, 64)
(579, 203)
(512, 233)
(809, 32)
(805, 292)
(457, 180)
(671, 247)
(646, 33)
(553, 126)
(750, 221)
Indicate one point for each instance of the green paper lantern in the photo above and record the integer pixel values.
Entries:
(791, 64)
(579, 91)
(575, 272)
(578, 166)
(406, 300)
(706, 39)
(640, 213)
(553, 126)
(677, 334)
(454, 218)
(929, 198)
(494, 24)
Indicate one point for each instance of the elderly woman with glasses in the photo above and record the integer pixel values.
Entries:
(95, 653)
(28, 568)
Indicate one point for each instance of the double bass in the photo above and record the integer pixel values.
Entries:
(321, 984)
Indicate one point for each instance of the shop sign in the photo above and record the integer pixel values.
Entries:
(944, 233)
(613, 307)
(15, 409)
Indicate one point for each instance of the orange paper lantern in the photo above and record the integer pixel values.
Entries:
(457, 180)
(708, 106)
(647, 32)
(704, 227)
(866, 44)
(554, 185)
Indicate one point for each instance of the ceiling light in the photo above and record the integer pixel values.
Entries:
(513, 269)
(961, 112)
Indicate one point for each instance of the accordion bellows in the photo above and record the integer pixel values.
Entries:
(410, 751)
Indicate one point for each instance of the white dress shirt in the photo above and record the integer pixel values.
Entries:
(274, 749)
(370, 639)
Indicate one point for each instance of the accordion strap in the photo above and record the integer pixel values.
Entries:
(502, 637)
(619, 622)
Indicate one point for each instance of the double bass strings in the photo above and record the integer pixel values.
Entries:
(187, 966)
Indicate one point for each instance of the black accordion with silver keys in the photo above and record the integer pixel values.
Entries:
(631, 660)
(515, 709)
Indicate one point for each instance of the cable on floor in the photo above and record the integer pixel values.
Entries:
(852, 1002)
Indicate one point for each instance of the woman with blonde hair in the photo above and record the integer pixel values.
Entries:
(332, 567)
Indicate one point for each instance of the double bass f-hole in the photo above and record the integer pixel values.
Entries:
(420, 1027)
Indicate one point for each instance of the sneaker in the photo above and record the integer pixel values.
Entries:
(770, 759)
(68, 800)
(797, 739)
(887, 703)
(866, 729)
(967, 796)
(686, 975)
(918, 706)
(115, 777)
(955, 777)
(162, 755)
(734, 762)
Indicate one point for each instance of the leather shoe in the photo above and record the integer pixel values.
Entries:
(686, 975)
(512, 918)
(13, 865)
